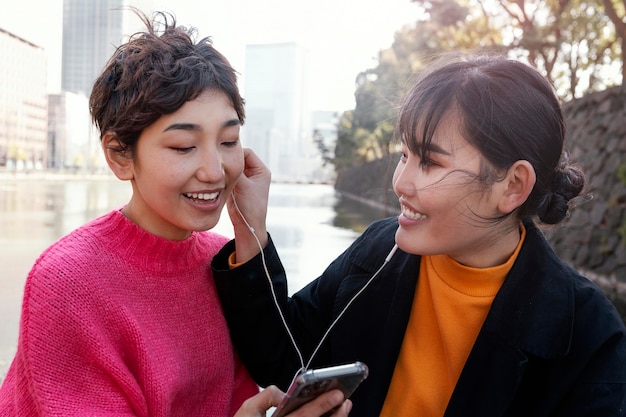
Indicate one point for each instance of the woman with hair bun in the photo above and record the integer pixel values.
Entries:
(473, 314)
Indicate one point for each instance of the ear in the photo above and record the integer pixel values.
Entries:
(119, 160)
(518, 184)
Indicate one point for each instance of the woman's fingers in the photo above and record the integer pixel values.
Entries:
(271, 396)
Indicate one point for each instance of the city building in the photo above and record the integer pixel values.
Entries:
(92, 29)
(73, 141)
(23, 104)
(278, 115)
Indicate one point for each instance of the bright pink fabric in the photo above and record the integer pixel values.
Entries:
(119, 322)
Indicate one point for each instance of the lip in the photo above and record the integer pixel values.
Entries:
(205, 200)
(203, 195)
(410, 215)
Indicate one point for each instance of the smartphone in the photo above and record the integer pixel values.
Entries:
(310, 384)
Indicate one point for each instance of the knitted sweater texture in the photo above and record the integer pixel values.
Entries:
(119, 322)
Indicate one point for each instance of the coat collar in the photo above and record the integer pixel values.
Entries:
(534, 309)
(532, 315)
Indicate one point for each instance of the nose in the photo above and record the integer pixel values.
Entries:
(405, 178)
(210, 165)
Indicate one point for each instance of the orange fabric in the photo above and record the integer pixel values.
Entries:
(450, 306)
(232, 261)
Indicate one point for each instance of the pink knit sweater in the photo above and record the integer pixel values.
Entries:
(119, 322)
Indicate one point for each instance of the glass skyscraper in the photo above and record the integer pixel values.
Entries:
(92, 29)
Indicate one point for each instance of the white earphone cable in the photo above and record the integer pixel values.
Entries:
(280, 312)
(267, 274)
(354, 297)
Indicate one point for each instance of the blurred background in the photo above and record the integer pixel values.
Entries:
(322, 83)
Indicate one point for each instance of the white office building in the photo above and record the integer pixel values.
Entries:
(23, 104)
(73, 141)
(92, 29)
(278, 121)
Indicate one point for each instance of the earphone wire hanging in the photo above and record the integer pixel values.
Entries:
(304, 367)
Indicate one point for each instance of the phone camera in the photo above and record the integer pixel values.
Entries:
(315, 389)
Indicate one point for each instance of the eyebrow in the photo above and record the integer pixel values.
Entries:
(432, 147)
(196, 128)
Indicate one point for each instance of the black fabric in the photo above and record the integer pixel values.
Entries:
(551, 345)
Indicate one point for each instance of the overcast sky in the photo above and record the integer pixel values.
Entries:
(343, 36)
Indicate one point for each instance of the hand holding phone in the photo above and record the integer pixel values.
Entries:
(312, 383)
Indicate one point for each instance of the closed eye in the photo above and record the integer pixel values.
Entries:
(183, 150)
(231, 143)
(427, 163)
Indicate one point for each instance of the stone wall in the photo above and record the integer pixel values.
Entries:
(590, 239)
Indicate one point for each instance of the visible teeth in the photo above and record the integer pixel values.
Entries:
(413, 215)
(202, 196)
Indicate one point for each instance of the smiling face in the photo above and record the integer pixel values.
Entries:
(448, 206)
(184, 167)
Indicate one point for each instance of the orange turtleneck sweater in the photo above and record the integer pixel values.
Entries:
(450, 306)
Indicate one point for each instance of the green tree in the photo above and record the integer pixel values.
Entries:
(369, 135)
(572, 42)
(588, 49)
(346, 146)
(322, 147)
(616, 12)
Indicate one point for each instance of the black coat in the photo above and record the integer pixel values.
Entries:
(551, 345)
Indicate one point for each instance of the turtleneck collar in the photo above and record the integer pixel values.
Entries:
(143, 249)
(476, 282)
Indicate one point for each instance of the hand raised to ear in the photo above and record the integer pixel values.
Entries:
(247, 207)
